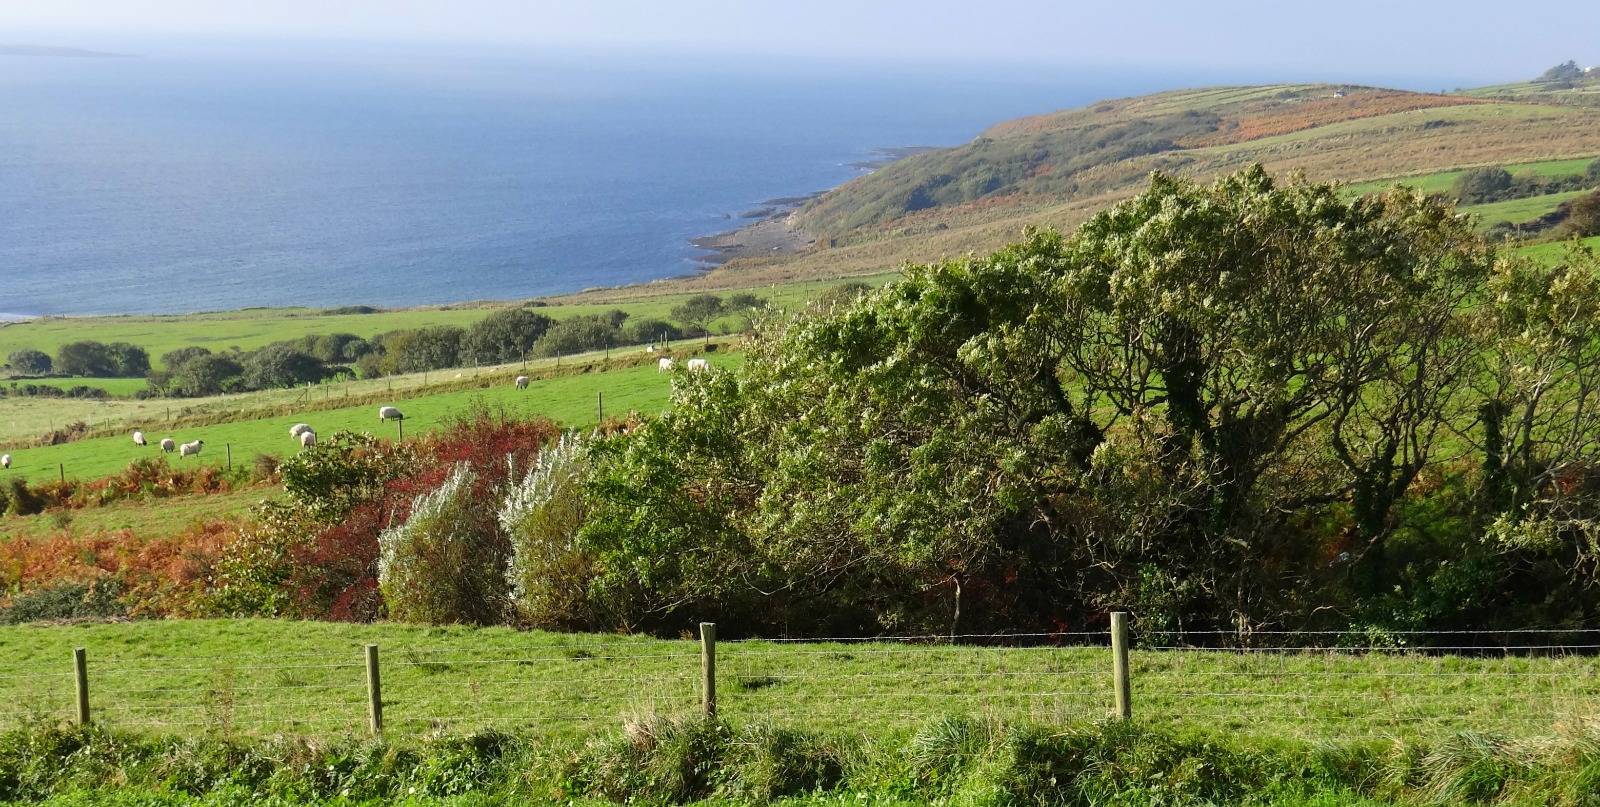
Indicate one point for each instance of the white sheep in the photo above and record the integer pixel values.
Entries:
(308, 439)
(191, 449)
(699, 365)
(389, 413)
(522, 382)
(168, 445)
(663, 365)
(138, 438)
(5, 461)
(298, 429)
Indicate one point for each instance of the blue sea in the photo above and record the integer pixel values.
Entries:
(191, 177)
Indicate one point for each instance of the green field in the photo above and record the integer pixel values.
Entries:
(1553, 252)
(252, 328)
(569, 399)
(122, 387)
(264, 676)
(1518, 211)
(1442, 181)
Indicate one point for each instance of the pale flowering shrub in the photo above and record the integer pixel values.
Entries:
(440, 566)
(549, 571)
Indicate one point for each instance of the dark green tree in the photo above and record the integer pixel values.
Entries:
(504, 336)
(128, 361)
(206, 375)
(1480, 185)
(577, 335)
(699, 311)
(86, 358)
(28, 361)
(279, 366)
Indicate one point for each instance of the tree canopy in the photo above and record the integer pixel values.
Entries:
(1245, 404)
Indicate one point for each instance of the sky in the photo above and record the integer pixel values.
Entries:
(1461, 40)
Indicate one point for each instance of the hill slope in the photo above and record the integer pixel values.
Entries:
(1056, 169)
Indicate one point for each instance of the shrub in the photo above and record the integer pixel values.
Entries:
(438, 566)
(549, 572)
(28, 361)
(67, 600)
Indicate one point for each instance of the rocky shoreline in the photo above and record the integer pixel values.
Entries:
(773, 231)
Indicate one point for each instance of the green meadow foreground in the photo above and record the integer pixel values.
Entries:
(275, 712)
(262, 677)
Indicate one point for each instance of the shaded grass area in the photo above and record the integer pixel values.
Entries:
(262, 677)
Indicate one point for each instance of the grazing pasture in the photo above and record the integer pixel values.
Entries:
(572, 400)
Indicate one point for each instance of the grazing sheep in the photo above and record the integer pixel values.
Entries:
(522, 382)
(5, 461)
(138, 438)
(308, 439)
(663, 365)
(191, 449)
(168, 445)
(699, 365)
(389, 413)
(298, 429)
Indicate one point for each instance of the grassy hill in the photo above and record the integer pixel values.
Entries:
(1057, 169)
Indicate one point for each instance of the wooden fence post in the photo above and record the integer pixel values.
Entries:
(708, 669)
(80, 663)
(1119, 663)
(374, 691)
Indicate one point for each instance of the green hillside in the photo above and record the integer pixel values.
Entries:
(1056, 169)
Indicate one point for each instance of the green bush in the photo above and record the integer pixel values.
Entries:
(97, 600)
(542, 514)
(438, 566)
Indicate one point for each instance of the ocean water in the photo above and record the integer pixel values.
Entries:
(192, 178)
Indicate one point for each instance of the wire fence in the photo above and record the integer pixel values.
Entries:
(1528, 684)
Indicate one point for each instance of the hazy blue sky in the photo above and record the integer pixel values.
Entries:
(1463, 40)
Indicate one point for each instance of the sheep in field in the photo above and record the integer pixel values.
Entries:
(389, 413)
(308, 439)
(298, 429)
(699, 365)
(138, 438)
(663, 365)
(168, 445)
(522, 382)
(191, 449)
(5, 461)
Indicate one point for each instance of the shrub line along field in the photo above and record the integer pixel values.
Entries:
(253, 328)
(268, 676)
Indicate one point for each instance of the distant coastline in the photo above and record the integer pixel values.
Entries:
(773, 230)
